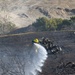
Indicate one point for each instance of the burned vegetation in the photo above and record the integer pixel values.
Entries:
(60, 45)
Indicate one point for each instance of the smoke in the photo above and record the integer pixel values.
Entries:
(22, 61)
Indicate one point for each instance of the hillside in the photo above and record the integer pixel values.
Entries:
(65, 39)
(25, 12)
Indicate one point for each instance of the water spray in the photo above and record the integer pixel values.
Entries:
(22, 60)
(39, 54)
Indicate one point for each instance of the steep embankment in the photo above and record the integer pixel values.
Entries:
(65, 39)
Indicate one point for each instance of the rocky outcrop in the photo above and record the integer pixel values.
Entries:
(43, 11)
(70, 10)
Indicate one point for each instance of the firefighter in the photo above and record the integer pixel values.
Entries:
(48, 44)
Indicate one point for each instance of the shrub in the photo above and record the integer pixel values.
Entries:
(6, 27)
(45, 24)
(40, 24)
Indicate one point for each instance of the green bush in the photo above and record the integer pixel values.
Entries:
(72, 18)
(46, 24)
(40, 24)
(53, 23)
(65, 23)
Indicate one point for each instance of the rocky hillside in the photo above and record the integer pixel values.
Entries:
(25, 12)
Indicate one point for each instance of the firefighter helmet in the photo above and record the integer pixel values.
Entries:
(36, 40)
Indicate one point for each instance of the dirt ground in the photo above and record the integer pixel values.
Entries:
(64, 39)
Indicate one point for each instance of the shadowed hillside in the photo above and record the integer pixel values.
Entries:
(65, 39)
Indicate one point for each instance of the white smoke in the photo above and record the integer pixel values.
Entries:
(21, 61)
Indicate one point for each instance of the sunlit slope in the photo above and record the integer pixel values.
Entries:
(25, 12)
